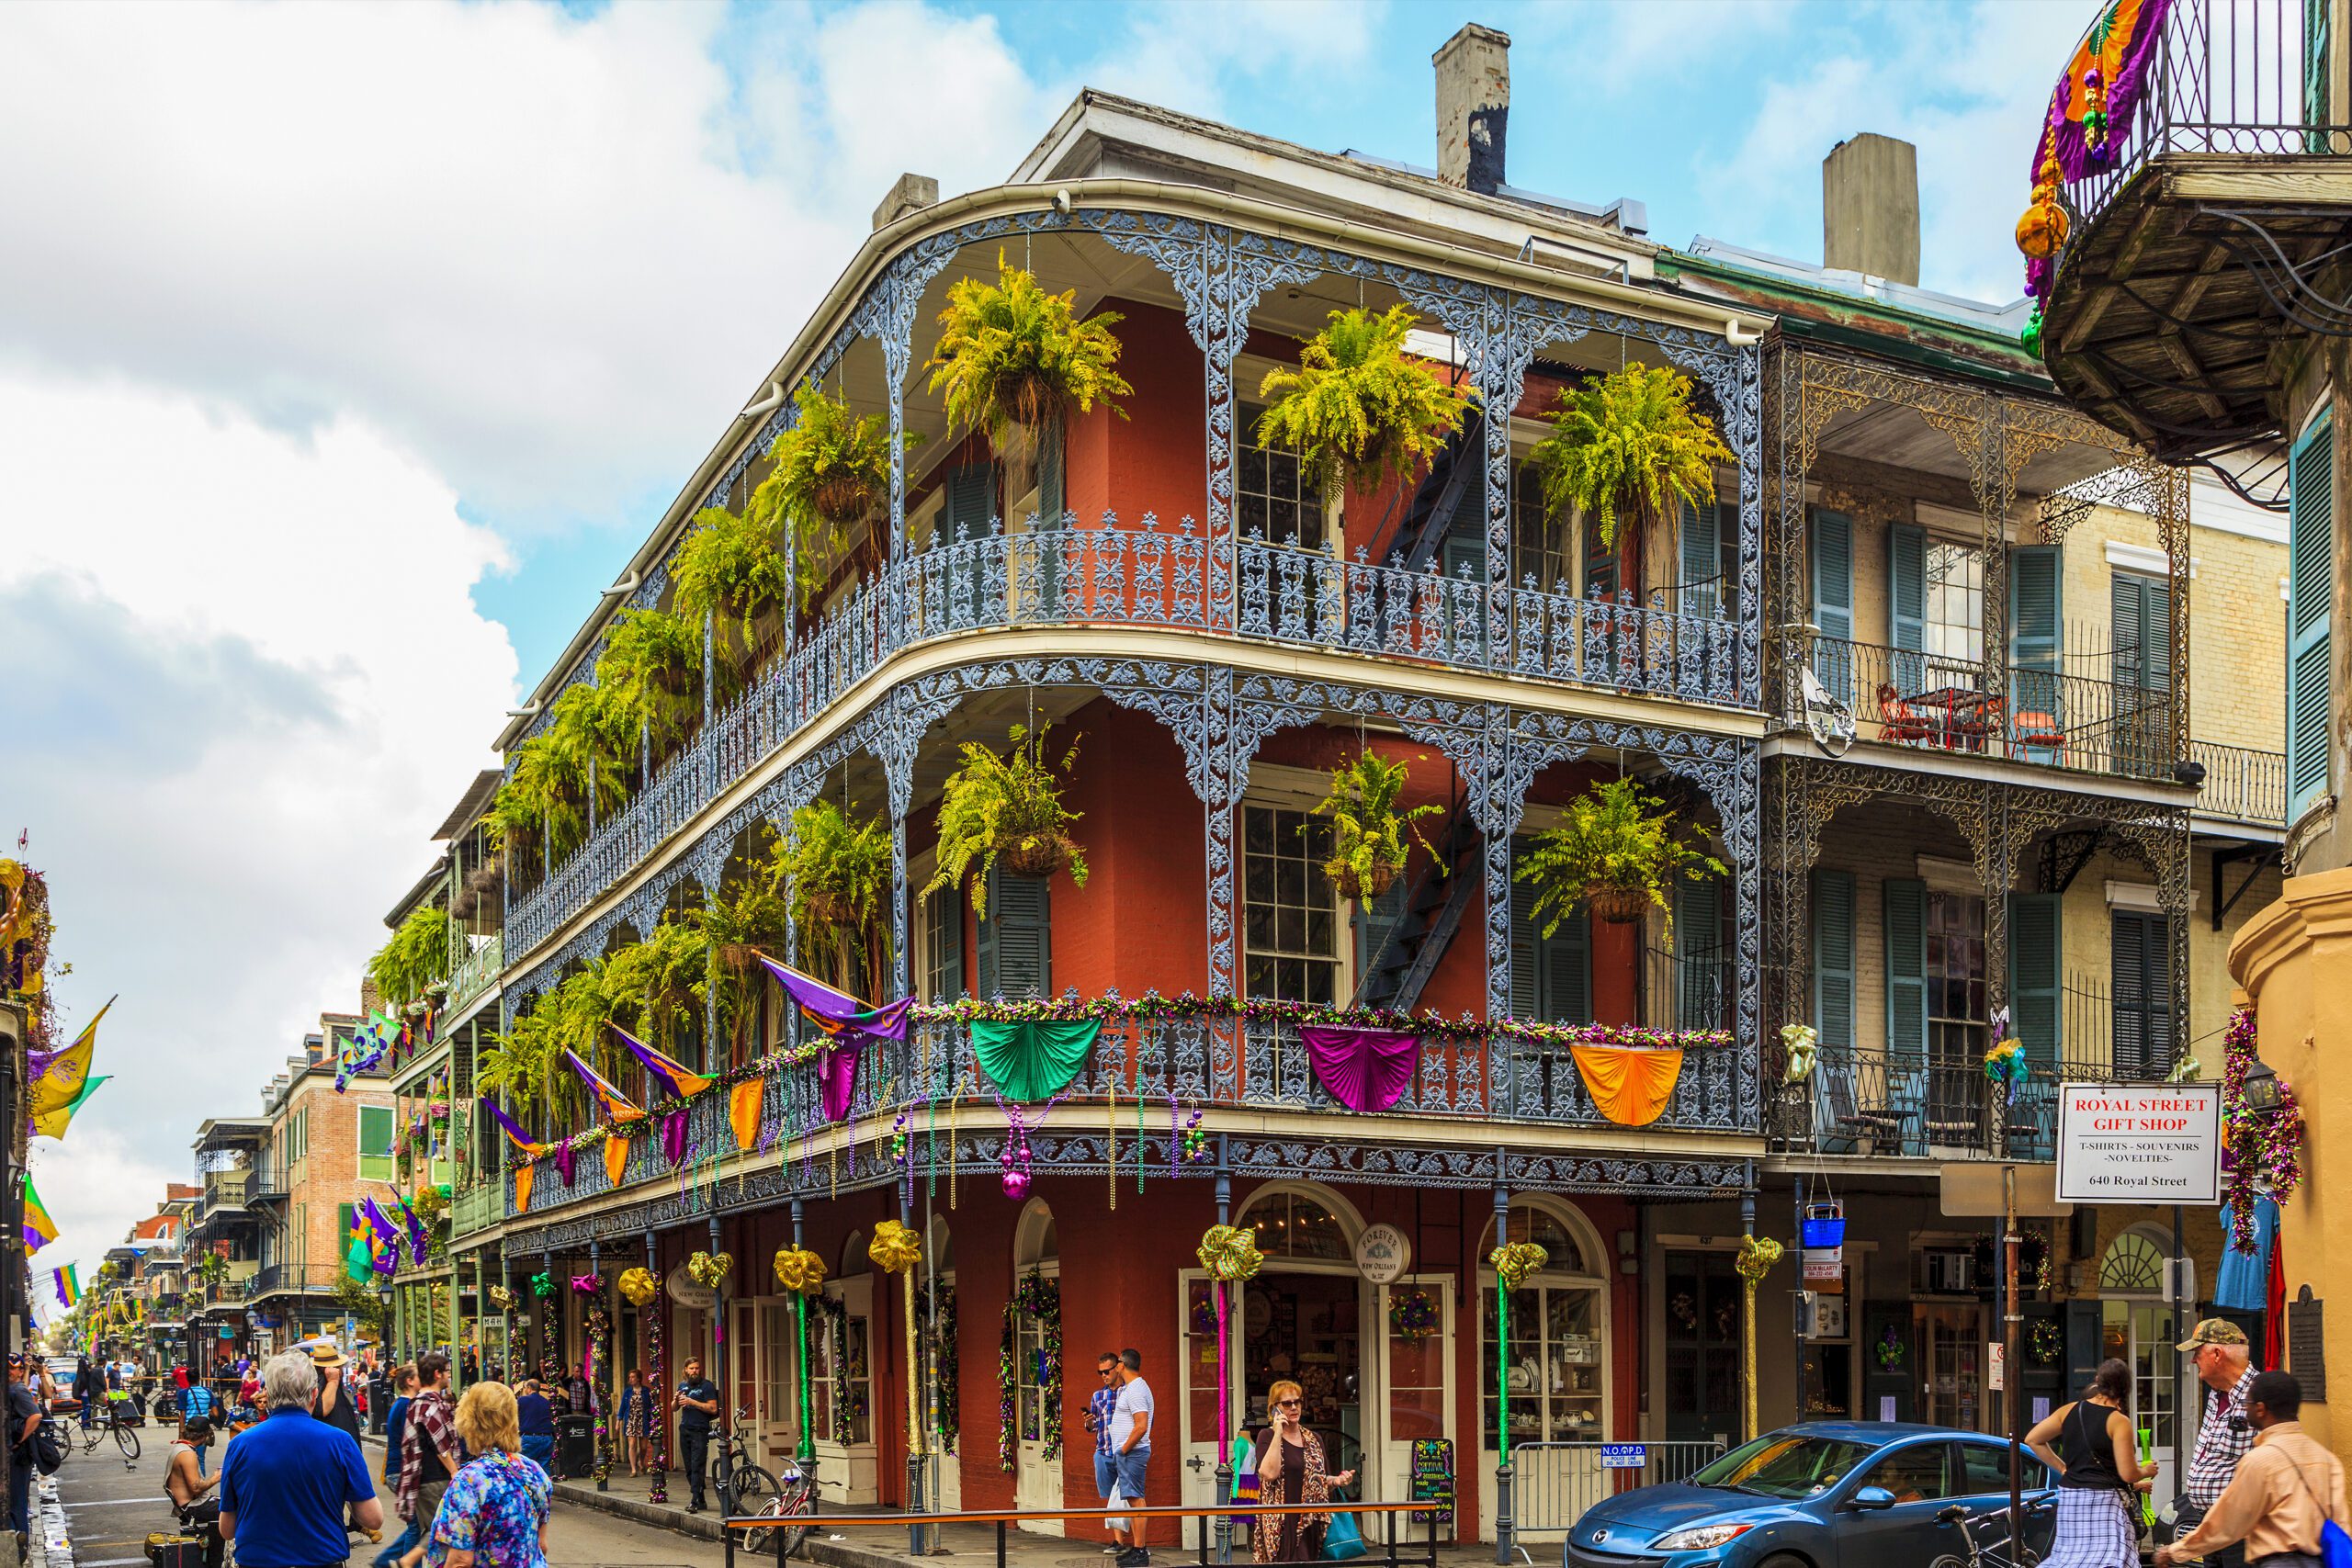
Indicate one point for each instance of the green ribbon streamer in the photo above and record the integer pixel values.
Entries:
(806, 1449)
(1033, 1060)
(1502, 1370)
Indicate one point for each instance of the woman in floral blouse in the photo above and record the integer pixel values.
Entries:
(494, 1514)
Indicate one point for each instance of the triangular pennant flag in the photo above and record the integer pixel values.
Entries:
(838, 1012)
(617, 1107)
(681, 1082)
(515, 1134)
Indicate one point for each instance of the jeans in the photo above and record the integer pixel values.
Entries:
(402, 1543)
(693, 1457)
(539, 1449)
(21, 1491)
(1106, 1476)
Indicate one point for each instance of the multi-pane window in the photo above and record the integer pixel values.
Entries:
(1955, 601)
(1539, 541)
(375, 1143)
(1956, 1011)
(1290, 919)
(1271, 494)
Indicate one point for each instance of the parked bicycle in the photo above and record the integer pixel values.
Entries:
(741, 1485)
(96, 1431)
(1987, 1540)
(796, 1500)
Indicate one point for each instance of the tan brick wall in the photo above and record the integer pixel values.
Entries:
(329, 1174)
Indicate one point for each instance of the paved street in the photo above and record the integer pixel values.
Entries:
(110, 1508)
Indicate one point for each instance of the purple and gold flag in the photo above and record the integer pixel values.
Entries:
(515, 1134)
(837, 1013)
(672, 1074)
(616, 1105)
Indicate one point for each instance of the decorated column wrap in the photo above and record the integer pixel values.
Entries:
(801, 1274)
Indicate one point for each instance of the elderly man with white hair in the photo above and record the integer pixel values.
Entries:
(285, 1483)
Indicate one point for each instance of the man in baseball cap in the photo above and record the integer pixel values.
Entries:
(2218, 1349)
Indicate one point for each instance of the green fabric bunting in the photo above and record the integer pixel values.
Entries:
(1031, 1061)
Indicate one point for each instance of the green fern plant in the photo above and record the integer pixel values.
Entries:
(1616, 848)
(514, 1066)
(746, 919)
(840, 875)
(1358, 408)
(830, 470)
(1368, 848)
(731, 569)
(1013, 359)
(546, 791)
(414, 960)
(649, 678)
(1629, 446)
(654, 989)
(1007, 806)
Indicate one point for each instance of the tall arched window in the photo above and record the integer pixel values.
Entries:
(1559, 1332)
(1294, 1224)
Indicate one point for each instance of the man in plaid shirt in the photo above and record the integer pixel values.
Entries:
(1098, 1421)
(430, 1450)
(2223, 1359)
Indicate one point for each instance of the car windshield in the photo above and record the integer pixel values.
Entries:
(1782, 1464)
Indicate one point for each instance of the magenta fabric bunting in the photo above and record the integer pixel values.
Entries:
(837, 1074)
(563, 1153)
(674, 1136)
(585, 1283)
(1364, 1069)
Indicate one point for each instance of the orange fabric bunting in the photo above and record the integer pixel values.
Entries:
(743, 1112)
(1630, 1087)
(616, 1158)
(523, 1174)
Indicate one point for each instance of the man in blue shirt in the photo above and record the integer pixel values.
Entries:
(1099, 1410)
(285, 1483)
(536, 1419)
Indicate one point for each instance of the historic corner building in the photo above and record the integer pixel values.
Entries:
(1921, 673)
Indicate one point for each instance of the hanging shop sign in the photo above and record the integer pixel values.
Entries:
(1382, 1254)
(2140, 1143)
(690, 1292)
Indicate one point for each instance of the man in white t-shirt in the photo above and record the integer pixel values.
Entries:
(1130, 1455)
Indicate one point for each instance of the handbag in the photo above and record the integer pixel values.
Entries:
(2334, 1542)
(1342, 1542)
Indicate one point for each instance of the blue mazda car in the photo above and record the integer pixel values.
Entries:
(1820, 1495)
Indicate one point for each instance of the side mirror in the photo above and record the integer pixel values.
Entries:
(1870, 1499)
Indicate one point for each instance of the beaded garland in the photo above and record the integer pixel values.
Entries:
(2265, 1149)
(657, 1490)
(940, 1332)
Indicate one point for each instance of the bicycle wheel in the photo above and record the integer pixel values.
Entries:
(798, 1501)
(127, 1442)
(750, 1490)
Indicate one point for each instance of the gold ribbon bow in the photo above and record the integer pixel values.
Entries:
(895, 1249)
(1758, 1256)
(710, 1267)
(1230, 1253)
(638, 1286)
(799, 1271)
(1514, 1261)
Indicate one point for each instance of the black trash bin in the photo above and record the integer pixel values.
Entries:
(575, 1445)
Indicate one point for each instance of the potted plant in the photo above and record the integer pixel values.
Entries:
(1616, 851)
(830, 471)
(649, 678)
(1013, 360)
(731, 569)
(551, 774)
(1368, 847)
(1007, 807)
(1629, 446)
(1358, 408)
(415, 957)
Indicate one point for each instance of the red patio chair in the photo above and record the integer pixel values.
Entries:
(2038, 731)
(1898, 720)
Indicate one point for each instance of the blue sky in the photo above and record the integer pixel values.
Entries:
(347, 351)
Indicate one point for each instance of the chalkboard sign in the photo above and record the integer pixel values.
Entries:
(1433, 1480)
(2306, 1347)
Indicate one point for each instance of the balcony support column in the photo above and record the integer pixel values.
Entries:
(1504, 1544)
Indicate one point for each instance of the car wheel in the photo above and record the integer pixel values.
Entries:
(1789, 1559)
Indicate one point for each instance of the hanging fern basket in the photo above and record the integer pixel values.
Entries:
(1364, 889)
(1617, 906)
(832, 908)
(844, 498)
(1036, 854)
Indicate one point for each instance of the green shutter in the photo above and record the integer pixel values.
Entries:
(375, 1143)
(1522, 942)
(2310, 559)
(2141, 611)
(1907, 587)
(1833, 574)
(2035, 953)
(1049, 475)
(1833, 958)
(1599, 562)
(1697, 954)
(1905, 903)
(1016, 940)
(2035, 617)
(1702, 562)
(2143, 991)
(1373, 921)
(2316, 106)
(966, 513)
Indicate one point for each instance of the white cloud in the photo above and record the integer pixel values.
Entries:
(255, 681)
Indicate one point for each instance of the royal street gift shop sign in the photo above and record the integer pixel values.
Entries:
(2140, 1143)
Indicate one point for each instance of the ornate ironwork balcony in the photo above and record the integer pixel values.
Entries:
(1462, 1082)
(1937, 1104)
(2243, 784)
(1682, 649)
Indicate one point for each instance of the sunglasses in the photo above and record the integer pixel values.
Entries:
(1106, 1371)
(1288, 1404)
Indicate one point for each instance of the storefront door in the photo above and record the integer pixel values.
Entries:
(1951, 1366)
(1415, 1385)
(2141, 1333)
(1702, 1348)
(1197, 1389)
(1037, 1388)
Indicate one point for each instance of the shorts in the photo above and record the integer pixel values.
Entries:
(1106, 1476)
(1129, 1468)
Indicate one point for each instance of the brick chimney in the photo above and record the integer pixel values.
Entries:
(1473, 105)
(1869, 207)
(907, 193)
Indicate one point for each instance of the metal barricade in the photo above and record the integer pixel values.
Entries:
(1556, 1482)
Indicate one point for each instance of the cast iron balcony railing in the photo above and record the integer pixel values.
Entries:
(2241, 785)
(475, 1208)
(1682, 648)
(474, 974)
(1937, 1104)
(1461, 1083)
(2048, 717)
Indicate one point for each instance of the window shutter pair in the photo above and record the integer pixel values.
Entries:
(1551, 976)
(2142, 607)
(1016, 946)
(2142, 986)
(2311, 546)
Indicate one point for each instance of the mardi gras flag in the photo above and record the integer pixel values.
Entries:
(58, 1085)
(837, 1013)
(616, 1104)
(418, 1242)
(368, 1044)
(39, 1229)
(515, 1134)
(69, 1286)
(54, 1123)
(672, 1074)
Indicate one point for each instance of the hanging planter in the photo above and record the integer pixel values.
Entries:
(831, 472)
(1359, 409)
(1006, 808)
(1616, 850)
(1368, 848)
(1013, 360)
(1629, 446)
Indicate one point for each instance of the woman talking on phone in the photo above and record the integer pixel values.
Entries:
(1289, 1460)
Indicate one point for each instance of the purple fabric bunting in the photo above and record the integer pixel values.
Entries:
(563, 1153)
(837, 1073)
(837, 1013)
(674, 1136)
(1364, 1069)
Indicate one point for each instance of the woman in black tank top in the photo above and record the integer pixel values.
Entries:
(2091, 1445)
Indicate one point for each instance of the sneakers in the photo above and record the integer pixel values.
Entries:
(1134, 1557)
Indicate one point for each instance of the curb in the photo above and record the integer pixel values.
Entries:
(705, 1527)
